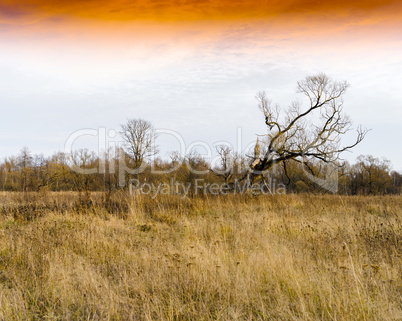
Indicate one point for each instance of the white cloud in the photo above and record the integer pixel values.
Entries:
(204, 91)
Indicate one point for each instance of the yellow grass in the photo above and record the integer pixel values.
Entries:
(288, 257)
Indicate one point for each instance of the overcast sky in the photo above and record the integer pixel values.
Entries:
(193, 68)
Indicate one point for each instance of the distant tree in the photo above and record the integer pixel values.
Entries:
(345, 180)
(302, 134)
(396, 179)
(38, 167)
(110, 179)
(370, 175)
(24, 162)
(226, 169)
(139, 137)
(10, 174)
(194, 167)
(58, 174)
(232, 166)
(85, 164)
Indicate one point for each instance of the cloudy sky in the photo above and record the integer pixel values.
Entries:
(193, 67)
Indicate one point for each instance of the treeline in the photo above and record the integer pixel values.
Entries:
(27, 172)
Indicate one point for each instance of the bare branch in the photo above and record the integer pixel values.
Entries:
(139, 136)
(314, 131)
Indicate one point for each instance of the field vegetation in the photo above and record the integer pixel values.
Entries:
(234, 257)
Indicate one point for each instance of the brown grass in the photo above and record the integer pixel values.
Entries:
(283, 257)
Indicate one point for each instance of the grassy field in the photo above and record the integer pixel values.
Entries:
(285, 257)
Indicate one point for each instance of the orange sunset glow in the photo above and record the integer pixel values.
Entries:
(202, 10)
(307, 16)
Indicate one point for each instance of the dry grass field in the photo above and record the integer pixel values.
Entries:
(285, 257)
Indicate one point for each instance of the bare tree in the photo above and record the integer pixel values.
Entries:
(396, 182)
(371, 175)
(24, 160)
(312, 132)
(139, 136)
(226, 161)
(232, 166)
(85, 166)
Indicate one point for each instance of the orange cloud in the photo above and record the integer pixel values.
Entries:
(176, 10)
(198, 21)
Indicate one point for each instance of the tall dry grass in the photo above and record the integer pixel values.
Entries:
(289, 257)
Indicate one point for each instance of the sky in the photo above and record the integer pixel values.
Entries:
(192, 68)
